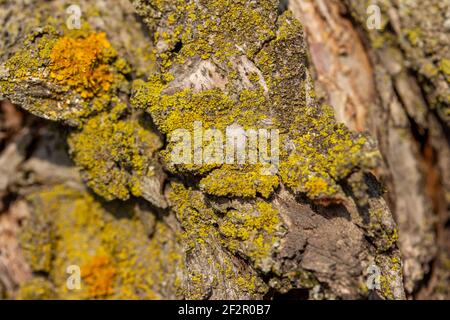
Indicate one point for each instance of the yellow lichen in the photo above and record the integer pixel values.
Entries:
(99, 275)
(83, 64)
(195, 216)
(316, 152)
(239, 183)
(200, 234)
(116, 257)
(253, 232)
(445, 66)
(323, 155)
(114, 153)
(36, 289)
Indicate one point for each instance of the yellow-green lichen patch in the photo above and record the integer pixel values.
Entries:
(315, 152)
(413, 36)
(445, 67)
(64, 76)
(156, 271)
(385, 236)
(239, 183)
(212, 29)
(253, 232)
(202, 240)
(114, 153)
(115, 255)
(246, 281)
(30, 60)
(36, 288)
(386, 288)
(196, 218)
(390, 274)
(214, 107)
(196, 115)
(324, 153)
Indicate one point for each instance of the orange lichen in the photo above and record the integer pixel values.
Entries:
(83, 63)
(99, 274)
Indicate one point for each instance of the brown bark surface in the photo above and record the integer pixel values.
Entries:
(376, 81)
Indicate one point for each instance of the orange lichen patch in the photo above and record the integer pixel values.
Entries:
(83, 63)
(99, 275)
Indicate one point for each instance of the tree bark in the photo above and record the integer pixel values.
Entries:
(87, 179)
(378, 80)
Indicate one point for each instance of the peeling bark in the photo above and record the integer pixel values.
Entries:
(399, 107)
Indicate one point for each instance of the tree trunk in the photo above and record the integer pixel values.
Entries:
(391, 83)
(89, 182)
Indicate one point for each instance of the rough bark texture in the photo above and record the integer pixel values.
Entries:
(93, 185)
(391, 83)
